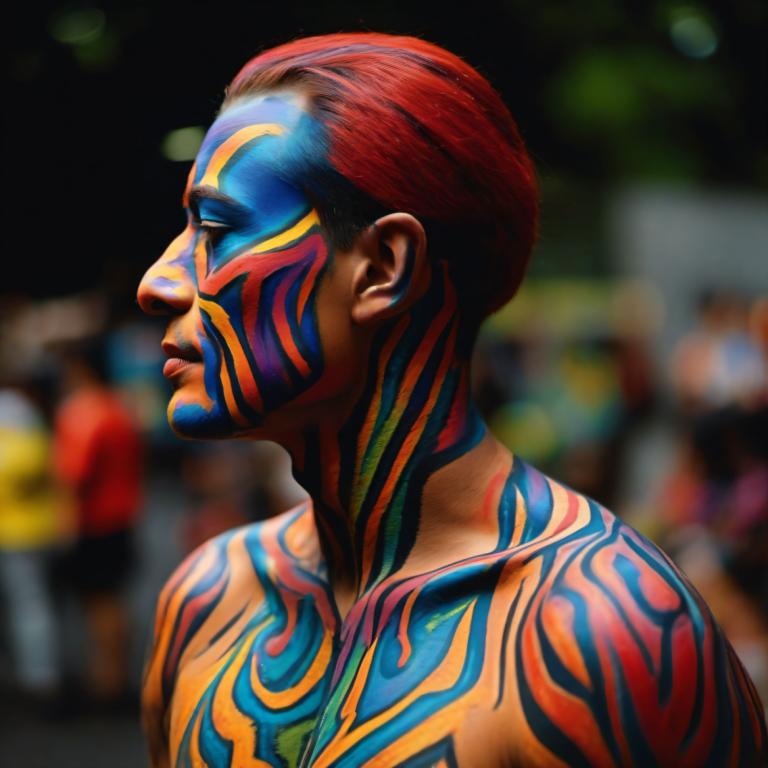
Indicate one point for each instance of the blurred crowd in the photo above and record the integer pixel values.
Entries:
(713, 503)
(83, 441)
(70, 495)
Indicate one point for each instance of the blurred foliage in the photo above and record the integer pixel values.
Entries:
(654, 91)
(637, 109)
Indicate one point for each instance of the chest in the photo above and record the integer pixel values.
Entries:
(412, 677)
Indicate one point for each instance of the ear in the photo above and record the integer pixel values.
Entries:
(392, 270)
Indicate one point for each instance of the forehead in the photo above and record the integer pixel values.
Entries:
(259, 134)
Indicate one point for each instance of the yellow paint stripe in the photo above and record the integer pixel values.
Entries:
(299, 229)
(224, 152)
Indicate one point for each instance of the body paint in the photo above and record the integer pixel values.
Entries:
(585, 643)
(573, 637)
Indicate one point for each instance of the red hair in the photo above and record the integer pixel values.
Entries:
(415, 128)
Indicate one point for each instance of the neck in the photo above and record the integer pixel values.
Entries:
(412, 417)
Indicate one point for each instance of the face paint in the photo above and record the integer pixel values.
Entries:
(244, 274)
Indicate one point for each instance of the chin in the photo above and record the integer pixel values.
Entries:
(191, 421)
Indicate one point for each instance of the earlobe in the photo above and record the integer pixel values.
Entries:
(394, 271)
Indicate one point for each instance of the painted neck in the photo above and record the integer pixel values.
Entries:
(414, 416)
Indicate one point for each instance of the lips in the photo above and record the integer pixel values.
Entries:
(184, 351)
(180, 357)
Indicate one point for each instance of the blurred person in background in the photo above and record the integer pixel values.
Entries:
(234, 483)
(99, 457)
(714, 502)
(360, 205)
(719, 363)
(222, 484)
(32, 529)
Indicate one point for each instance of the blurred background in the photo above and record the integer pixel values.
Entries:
(632, 365)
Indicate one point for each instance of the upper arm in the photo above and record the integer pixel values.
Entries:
(188, 597)
(618, 661)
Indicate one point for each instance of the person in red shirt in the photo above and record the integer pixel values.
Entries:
(98, 456)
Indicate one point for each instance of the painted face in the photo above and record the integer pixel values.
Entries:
(242, 278)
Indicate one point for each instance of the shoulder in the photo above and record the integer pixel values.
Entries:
(207, 592)
(227, 566)
(618, 660)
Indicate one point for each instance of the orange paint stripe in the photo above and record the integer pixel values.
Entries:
(561, 637)
(284, 333)
(402, 630)
(246, 380)
(188, 186)
(405, 452)
(521, 515)
(309, 283)
(375, 404)
(444, 677)
(228, 720)
(176, 601)
(201, 260)
(415, 367)
(197, 678)
(195, 758)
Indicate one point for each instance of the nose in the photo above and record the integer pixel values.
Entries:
(167, 287)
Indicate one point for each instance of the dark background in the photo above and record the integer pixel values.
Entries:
(599, 89)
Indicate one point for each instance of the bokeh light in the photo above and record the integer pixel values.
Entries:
(181, 144)
(693, 33)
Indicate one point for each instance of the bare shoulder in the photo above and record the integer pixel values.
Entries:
(615, 658)
(218, 584)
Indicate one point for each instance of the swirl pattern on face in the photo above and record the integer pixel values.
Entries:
(253, 253)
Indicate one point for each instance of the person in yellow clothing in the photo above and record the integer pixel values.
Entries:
(32, 525)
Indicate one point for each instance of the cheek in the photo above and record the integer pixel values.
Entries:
(261, 315)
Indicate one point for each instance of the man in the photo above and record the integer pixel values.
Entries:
(360, 204)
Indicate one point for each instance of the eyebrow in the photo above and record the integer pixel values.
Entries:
(206, 192)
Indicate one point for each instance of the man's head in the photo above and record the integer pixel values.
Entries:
(343, 175)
